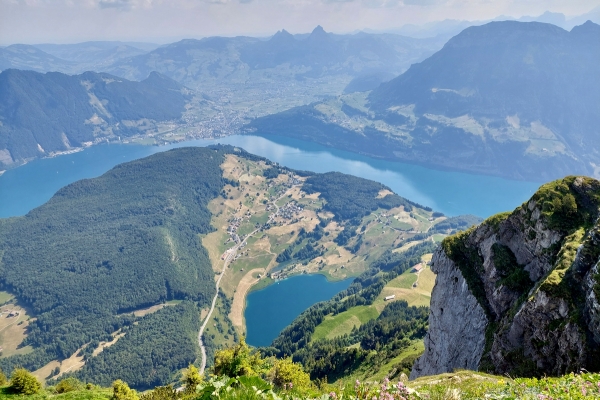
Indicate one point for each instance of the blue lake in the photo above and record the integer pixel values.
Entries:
(452, 193)
(270, 310)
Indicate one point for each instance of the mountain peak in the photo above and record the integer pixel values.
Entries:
(318, 33)
(283, 35)
(587, 28)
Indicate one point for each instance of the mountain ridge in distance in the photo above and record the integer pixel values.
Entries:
(512, 99)
(43, 114)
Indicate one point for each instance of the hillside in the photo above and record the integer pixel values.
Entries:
(104, 248)
(527, 282)
(22, 56)
(45, 114)
(94, 55)
(69, 58)
(108, 278)
(513, 99)
(466, 385)
(248, 77)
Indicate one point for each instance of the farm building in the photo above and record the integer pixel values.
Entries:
(417, 268)
(392, 297)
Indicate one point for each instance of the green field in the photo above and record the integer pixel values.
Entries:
(5, 297)
(343, 323)
(370, 373)
(401, 287)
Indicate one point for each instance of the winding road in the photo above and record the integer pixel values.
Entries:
(230, 257)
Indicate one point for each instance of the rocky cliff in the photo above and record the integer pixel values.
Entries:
(519, 293)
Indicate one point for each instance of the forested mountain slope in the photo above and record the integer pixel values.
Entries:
(104, 247)
(514, 99)
(41, 114)
(110, 275)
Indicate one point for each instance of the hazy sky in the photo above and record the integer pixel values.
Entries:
(69, 21)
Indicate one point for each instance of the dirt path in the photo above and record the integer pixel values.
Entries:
(239, 298)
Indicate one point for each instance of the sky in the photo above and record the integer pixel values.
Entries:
(163, 21)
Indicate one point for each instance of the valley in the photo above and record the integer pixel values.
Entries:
(265, 219)
(262, 223)
(302, 215)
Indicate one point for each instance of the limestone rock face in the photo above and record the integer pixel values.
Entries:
(452, 304)
(519, 294)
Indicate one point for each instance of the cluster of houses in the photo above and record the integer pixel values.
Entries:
(277, 275)
(293, 180)
(290, 210)
(234, 224)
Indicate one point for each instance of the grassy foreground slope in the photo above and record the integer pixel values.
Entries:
(464, 385)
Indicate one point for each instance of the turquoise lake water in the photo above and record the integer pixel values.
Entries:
(452, 193)
(270, 310)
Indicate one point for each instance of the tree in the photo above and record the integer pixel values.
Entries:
(239, 361)
(121, 391)
(23, 382)
(191, 378)
(69, 385)
(286, 372)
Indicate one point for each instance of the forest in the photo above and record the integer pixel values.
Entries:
(350, 197)
(103, 247)
(389, 334)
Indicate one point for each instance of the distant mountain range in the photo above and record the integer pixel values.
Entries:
(41, 114)
(451, 27)
(513, 99)
(243, 77)
(69, 58)
(193, 62)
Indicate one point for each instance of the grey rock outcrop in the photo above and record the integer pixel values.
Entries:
(452, 305)
(519, 293)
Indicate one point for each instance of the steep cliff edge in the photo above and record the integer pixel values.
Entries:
(519, 293)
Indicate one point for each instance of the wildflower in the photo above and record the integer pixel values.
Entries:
(333, 395)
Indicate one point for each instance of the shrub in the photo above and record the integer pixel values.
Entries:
(121, 391)
(192, 378)
(23, 382)
(161, 393)
(238, 361)
(68, 385)
(286, 373)
(3, 380)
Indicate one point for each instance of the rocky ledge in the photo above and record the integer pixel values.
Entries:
(519, 293)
